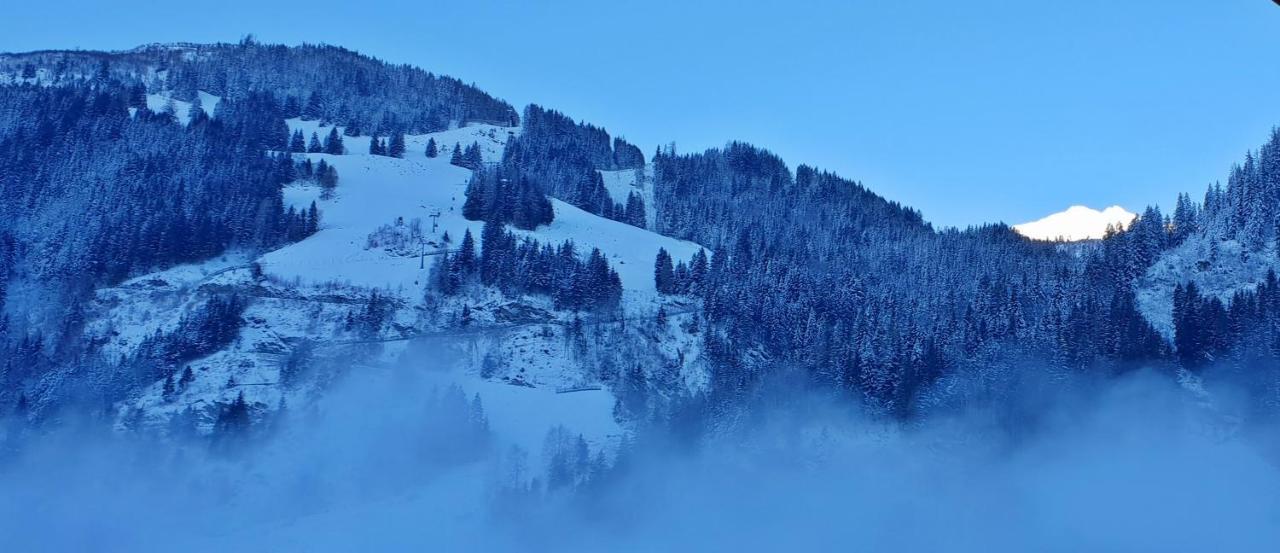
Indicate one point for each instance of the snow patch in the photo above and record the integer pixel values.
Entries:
(1218, 269)
(181, 110)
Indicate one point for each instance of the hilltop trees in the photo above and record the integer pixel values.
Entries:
(333, 143)
(679, 278)
(298, 143)
(663, 273)
(469, 158)
(396, 148)
(492, 196)
(634, 213)
(567, 157)
(527, 266)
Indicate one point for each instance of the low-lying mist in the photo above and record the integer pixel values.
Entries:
(398, 462)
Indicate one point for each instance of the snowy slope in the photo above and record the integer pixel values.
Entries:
(622, 183)
(1218, 268)
(1076, 223)
(306, 291)
(631, 250)
(378, 190)
(181, 110)
(155, 301)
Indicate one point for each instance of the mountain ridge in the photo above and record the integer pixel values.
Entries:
(805, 268)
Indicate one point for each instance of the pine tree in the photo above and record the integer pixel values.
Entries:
(327, 178)
(473, 158)
(635, 212)
(698, 271)
(166, 390)
(315, 146)
(313, 219)
(466, 261)
(531, 208)
(493, 252)
(186, 379)
(446, 275)
(314, 109)
(333, 144)
(396, 149)
(432, 149)
(234, 420)
(664, 273)
(197, 115)
(298, 143)
(456, 158)
(479, 199)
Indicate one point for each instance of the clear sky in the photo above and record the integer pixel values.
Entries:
(972, 111)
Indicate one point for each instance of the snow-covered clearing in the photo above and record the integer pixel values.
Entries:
(181, 110)
(1218, 268)
(379, 190)
(307, 291)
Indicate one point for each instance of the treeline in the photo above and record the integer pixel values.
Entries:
(1244, 329)
(680, 278)
(316, 82)
(94, 194)
(1248, 209)
(815, 271)
(332, 143)
(95, 188)
(525, 266)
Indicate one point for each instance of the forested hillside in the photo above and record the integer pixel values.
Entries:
(111, 167)
(323, 82)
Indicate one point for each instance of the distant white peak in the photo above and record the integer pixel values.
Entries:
(1076, 223)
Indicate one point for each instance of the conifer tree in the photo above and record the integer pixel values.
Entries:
(456, 157)
(297, 143)
(396, 149)
(635, 213)
(466, 261)
(664, 273)
(473, 158)
(333, 144)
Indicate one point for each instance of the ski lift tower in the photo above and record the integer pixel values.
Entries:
(435, 220)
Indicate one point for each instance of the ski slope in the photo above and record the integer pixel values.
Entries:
(308, 289)
(378, 190)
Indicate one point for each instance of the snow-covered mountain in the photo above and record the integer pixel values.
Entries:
(382, 232)
(1076, 223)
(400, 282)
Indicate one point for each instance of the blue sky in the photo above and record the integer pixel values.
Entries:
(972, 111)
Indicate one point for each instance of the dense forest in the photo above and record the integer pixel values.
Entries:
(321, 82)
(814, 270)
